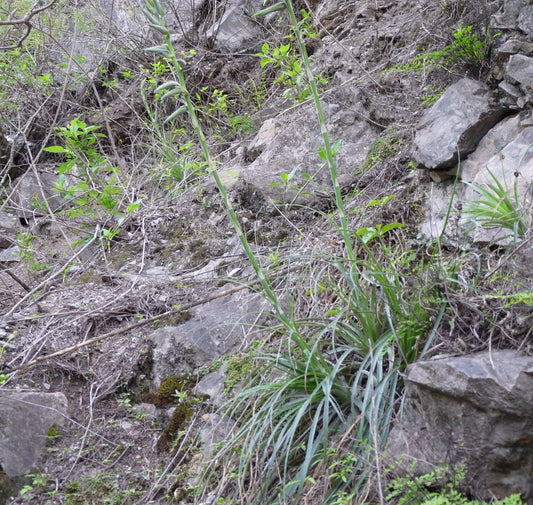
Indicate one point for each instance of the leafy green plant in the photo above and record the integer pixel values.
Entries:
(27, 254)
(466, 49)
(292, 74)
(86, 180)
(220, 114)
(498, 208)
(179, 163)
(431, 93)
(382, 149)
(418, 490)
(79, 147)
(295, 189)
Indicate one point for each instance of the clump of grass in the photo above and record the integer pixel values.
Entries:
(498, 208)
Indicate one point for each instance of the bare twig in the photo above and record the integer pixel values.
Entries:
(24, 21)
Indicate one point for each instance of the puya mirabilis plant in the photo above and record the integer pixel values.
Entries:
(331, 379)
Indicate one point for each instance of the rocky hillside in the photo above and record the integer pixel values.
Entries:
(274, 258)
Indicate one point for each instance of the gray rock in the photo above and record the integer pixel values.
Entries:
(519, 70)
(217, 328)
(506, 153)
(436, 204)
(34, 195)
(513, 46)
(10, 255)
(525, 20)
(25, 420)
(237, 30)
(289, 143)
(214, 430)
(8, 229)
(475, 411)
(507, 17)
(212, 385)
(454, 125)
(512, 91)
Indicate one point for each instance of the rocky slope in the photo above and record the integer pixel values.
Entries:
(131, 341)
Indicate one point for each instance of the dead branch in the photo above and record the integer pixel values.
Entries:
(24, 21)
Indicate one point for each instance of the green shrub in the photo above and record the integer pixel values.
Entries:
(419, 490)
(466, 49)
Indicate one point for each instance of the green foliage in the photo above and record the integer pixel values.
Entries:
(334, 374)
(178, 164)
(79, 147)
(22, 74)
(466, 49)
(431, 94)
(86, 180)
(342, 383)
(419, 490)
(25, 242)
(3, 376)
(219, 113)
(498, 208)
(293, 74)
(382, 149)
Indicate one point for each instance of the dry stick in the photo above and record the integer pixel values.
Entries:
(118, 331)
(26, 21)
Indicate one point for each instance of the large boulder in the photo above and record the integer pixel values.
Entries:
(453, 126)
(289, 144)
(506, 154)
(34, 195)
(217, 328)
(25, 421)
(518, 83)
(237, 31)
(513, 14)
(472, 411)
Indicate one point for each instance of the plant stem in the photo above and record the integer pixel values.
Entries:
(288, 323)
(344, 229)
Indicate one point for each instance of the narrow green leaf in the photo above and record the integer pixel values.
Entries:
(163, 49)
(56, 149)
(168, 85)
(273, 8)
(159, 28)
(175, 114)
(172, 92)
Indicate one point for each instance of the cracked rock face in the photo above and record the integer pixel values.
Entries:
(473, 411)
(453, 127)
